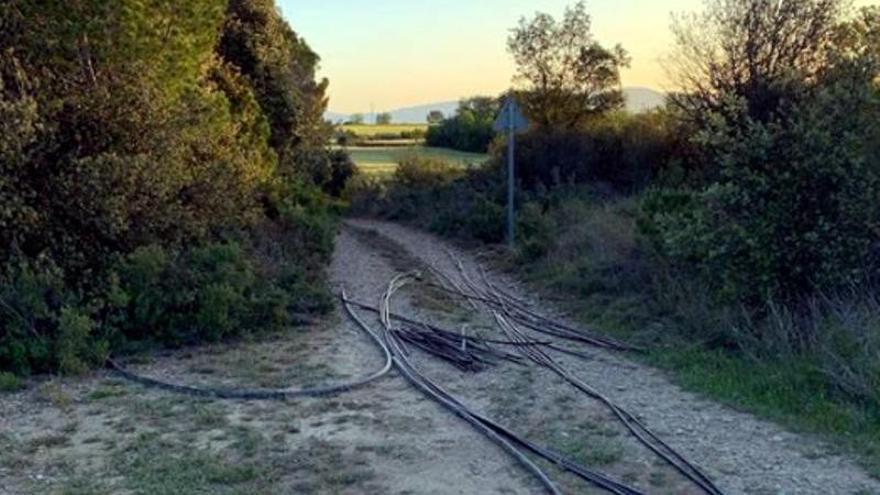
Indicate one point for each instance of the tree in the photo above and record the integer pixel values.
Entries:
(129, 127)
(435, 117)
(762, 52)
(480, 108)
(281, 67)
(140, 138)
(383, 118)
(356, 119)
(783, 102)
(567, 75)
(860, 36)
(471, 127)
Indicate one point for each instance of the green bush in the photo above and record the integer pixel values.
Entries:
(208, 294)
(10, 382)
(44, 326)
(537, 232)
(149, 176)
(157, 295)
(444, 198)
(342, 168)
(421, 173)
(470, 129)
(625, 152)
(796, 209)
(77, 348)
(29, 302)
(485, 221)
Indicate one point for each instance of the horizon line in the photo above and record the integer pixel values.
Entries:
(441, 102)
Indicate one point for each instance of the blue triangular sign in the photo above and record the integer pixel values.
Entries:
(511, 117)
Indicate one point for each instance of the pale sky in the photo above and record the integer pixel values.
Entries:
(389, 54)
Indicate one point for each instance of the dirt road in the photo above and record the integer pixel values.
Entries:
(105, 435)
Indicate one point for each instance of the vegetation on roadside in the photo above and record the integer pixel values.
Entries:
(380, 135)
(384, 160)
(734, 233)
(470, 129)
(164, 177)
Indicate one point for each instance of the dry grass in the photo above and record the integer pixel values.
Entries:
(606, 231)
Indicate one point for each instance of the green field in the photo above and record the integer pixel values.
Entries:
(375, 160)
(367, 130)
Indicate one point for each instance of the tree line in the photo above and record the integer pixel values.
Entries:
(763, 167)
(153, 158)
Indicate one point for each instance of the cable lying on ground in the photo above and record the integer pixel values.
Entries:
(473, 338)
(505, 438)
(471, 353)
(262, 394)
(508, 313)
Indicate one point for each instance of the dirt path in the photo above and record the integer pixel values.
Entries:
(744, 454)
(103, 435)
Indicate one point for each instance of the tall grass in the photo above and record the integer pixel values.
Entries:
(594, 251)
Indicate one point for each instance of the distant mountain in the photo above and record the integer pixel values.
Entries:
(335, 116)
(642, 99)
(408, 115)
(637, 100)
(419, 114)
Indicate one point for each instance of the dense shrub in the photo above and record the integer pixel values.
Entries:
(146, 172)
(470, 129)
(207, 294)
(32, 299)
(457, 134)
(537, 231)
(796, 207)
(344, 136)
(434, 194)
(327, 170)
(165, 295)
(621, 150)
(342, 168)
(417, 173)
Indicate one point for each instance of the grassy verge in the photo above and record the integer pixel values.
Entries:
(597, 272)
(107, 436)
(378, 160)
(788, 392)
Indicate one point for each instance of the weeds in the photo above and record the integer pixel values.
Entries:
(107, 392)
(10, 382)
(158, 466)
(55, 395)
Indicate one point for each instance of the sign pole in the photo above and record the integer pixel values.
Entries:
(511, 120)
(511, 210)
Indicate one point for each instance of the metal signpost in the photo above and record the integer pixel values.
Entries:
(511, 120)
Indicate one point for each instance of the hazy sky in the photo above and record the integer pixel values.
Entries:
(397, 53)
